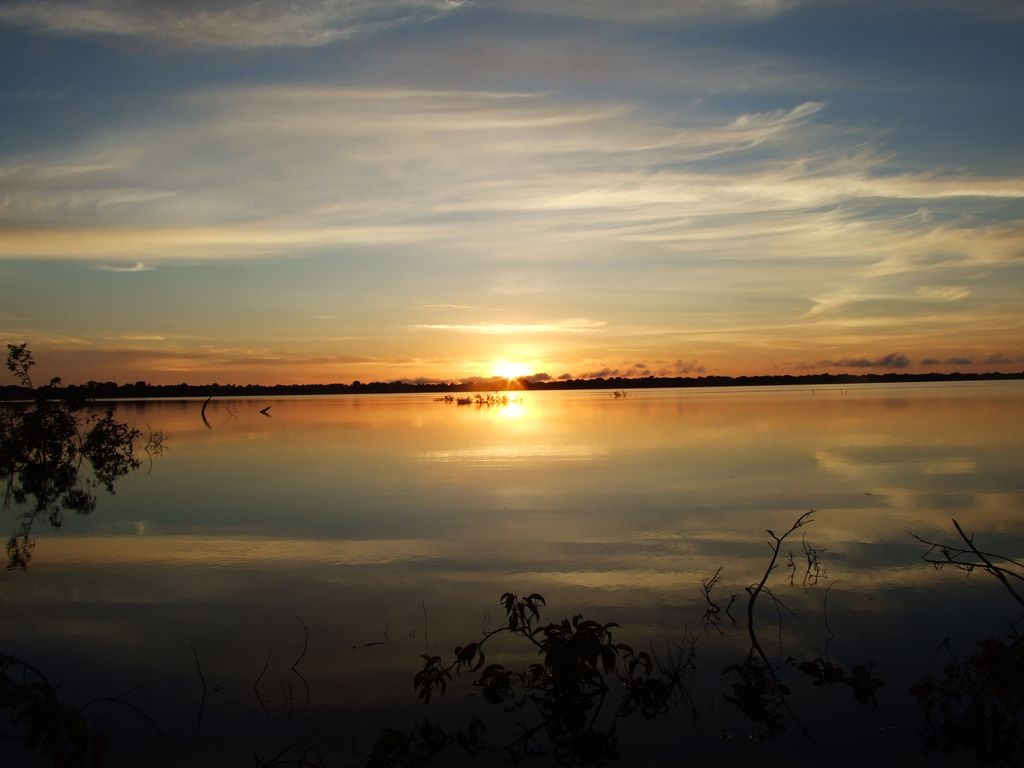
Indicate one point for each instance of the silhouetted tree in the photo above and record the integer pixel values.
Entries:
(45, 448)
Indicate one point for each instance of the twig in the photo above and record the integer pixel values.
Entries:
(828, 626)
(426, 645)
(256, 684)
(294, 667)
(754, 591)
(999, 573)
(951, 556)
(145, 716)
(202, 701)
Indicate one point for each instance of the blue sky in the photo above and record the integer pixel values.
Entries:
(328, 191)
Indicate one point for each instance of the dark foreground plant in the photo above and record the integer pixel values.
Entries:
(977, 705)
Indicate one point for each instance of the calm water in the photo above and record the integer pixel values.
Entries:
(374, 529)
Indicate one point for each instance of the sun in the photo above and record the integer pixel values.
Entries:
(510, 370)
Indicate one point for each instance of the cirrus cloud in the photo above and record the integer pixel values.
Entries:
(260, 24)
(568, 325)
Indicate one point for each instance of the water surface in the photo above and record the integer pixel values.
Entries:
(370, 530)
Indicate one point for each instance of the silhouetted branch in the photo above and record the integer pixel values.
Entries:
(757, 690)
(295, 666)
(256, 683)
(967, 559)
(755, 590)
(713, 612)
(65, 734)
(119, 700)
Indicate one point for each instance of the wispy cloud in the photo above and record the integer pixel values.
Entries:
(484, 172)
(645, 11)
(451, 306)
(192, 243)
(138, 266)
(223, 23)
(947, 293)
(569, 325)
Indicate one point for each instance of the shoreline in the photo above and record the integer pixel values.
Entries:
(140, 390)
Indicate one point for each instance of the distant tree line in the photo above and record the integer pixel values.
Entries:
(141, 389)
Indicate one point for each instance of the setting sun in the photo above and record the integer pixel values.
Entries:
(510, 370)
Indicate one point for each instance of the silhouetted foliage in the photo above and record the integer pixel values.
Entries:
(861, 679)
(977, 705)
(49, 729)
(44, 447)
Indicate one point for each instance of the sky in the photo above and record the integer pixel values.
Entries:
(327, 191)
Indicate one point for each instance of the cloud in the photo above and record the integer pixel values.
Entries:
(221, 23)
(944, 294)
(424, 381)
(537, 377)
(138, 266)
(482, 172)
(648, 11)
(190, 243)
(894, 360)
(569, 325)
(604, 373)
(142, 337)
(948, 361)
(687, 366)
(1000, 359)
(778, 118)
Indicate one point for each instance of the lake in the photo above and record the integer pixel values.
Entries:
(262, 590)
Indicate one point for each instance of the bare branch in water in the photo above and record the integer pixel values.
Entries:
(970, 557)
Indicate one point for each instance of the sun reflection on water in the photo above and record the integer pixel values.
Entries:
(513, 410)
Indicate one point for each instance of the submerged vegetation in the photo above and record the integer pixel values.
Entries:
(480, 401)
